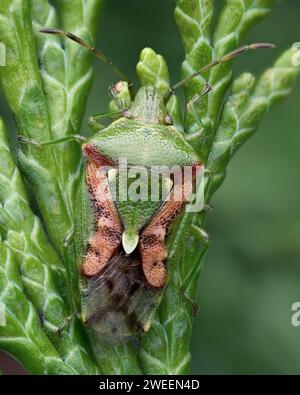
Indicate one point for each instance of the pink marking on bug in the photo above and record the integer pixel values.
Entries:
(107, 236)
(152, 244)
(93, 154)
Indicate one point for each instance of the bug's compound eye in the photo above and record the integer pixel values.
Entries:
(169, 120)
(118, 87)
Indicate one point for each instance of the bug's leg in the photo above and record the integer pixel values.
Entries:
(208, 208)
(207, 172)
(97, 126)
(39, 144)
(191, 105)
(192, 302)
(229, 56)
(200, 234)
(98, 54)
(68, 238)
(66, 322)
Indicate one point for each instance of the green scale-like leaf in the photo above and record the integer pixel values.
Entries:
(248, 104)
(22, 85)
(39, 265)
(20, 331)
(46, 82)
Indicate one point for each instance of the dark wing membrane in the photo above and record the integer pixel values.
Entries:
(118, 302)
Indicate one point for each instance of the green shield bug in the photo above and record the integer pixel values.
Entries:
(121, 243)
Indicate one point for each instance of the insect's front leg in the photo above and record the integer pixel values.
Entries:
(191, 105)
(94, 123)
(207, 88)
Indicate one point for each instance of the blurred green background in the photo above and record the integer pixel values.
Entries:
(251, 275)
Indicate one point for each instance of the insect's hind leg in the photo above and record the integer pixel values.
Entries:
(191, 302)
(202, 236)
(39, 144)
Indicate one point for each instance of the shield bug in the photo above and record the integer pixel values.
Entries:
(121, 244)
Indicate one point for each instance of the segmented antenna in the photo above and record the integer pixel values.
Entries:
(95, 51)
(216, 62)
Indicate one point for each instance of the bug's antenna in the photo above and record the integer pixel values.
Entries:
(216, 62)
(99, 55)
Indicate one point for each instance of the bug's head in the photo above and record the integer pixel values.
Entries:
(148, 106)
